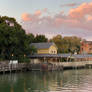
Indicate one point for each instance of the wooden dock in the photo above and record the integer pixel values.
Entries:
(4, 68)
(59, 66)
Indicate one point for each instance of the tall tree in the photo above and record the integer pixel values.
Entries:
(13, 39)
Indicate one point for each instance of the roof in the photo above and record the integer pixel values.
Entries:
(49, 55)
(43, 45)
(83, 56)
(68, 55)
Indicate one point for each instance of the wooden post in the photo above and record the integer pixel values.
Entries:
(3, 69)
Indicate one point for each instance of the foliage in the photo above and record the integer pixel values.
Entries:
(14, 42)
(30, 38)
(33, 50)
(67, 44)
(40, 38)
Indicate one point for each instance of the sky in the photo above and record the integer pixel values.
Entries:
(51, 17)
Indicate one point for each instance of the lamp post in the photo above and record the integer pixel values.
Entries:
(24, 58)
(12, 56)
(24, 55)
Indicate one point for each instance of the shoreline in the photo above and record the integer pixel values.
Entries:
(59, 66)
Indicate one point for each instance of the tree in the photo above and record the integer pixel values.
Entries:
(40, 38)
(67, 44)
(31, 38)
(58, 41)
(13, 39)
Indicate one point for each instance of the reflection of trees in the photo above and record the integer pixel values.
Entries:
(11, 89)
(42, 81)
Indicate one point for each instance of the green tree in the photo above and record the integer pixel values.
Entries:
(14, 43)
(67, 44)
(30, 38)
(40, 38)
(58, 41)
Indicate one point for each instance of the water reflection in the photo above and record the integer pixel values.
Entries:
(67, 81)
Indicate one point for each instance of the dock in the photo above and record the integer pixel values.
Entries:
(52, 66)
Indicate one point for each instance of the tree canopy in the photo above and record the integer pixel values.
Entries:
(67, 44)
(13, 39)
(40, 38)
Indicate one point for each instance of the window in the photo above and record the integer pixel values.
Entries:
(90, 48)
(54, 52)
(51, 51)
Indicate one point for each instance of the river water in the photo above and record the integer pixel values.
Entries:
(66, 81)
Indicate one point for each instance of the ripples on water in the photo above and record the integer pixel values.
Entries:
(67, 81)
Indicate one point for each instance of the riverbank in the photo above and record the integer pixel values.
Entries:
(52, 66)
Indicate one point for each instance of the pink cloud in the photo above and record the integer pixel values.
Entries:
(26, 17)
(81, 11)
(89, 18)
(38, 13)
(78, 18)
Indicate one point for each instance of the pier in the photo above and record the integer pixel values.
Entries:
(48, 62)
(21, 67)
(9, 68)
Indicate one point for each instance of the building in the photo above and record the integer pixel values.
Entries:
(47, 57)
(86, 47)
(45, 48)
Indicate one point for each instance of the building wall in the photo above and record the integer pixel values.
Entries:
(86, 47)
(42, 51)
(51, 50)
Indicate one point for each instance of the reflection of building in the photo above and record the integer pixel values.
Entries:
(45, 48)
(86, 47)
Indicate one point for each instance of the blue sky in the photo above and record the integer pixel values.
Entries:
(15, 8)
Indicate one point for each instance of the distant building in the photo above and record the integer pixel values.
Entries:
(86, 47)
(45, 48)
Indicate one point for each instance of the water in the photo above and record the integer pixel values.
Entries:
(67, 81)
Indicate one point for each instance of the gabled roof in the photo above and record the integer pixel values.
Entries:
(43, 45)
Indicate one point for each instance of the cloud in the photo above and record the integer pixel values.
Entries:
(26, 17)
(31, 17)
(89, 18)
(38, 13)
(79, 18)
(69, 5)
(45, 10)
(81, 11)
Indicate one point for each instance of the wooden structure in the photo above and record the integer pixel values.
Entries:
(6, 67)
(56, 61)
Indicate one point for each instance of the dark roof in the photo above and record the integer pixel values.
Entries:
(43, 45)
(83, 56)
(61, 56)
(49, 55)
